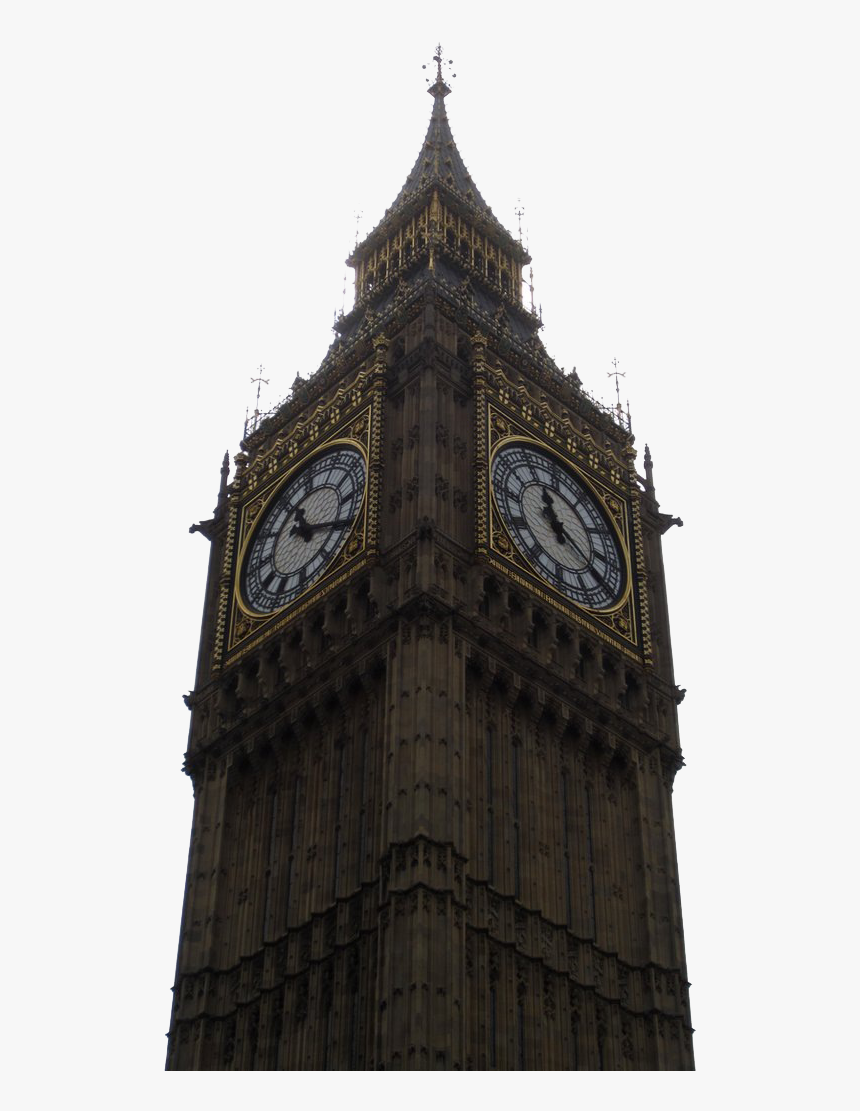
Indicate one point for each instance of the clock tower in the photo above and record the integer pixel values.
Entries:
(433, 731)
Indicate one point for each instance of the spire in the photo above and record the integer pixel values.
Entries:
(439, 161)
(439, 218)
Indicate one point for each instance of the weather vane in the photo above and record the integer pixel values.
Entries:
(259, 380)
(616, 374)
(438, 59)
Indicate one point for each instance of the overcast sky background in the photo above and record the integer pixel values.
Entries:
(180, 189)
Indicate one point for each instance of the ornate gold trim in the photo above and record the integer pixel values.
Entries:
(482, 536)
(359, 432)
(614, 508)
(601, 475)
(583, 617)
(537, 416)
(639, 552)
(285, 617)
(308, 429)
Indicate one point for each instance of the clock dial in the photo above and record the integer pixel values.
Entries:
(558, 526)
(303, 529)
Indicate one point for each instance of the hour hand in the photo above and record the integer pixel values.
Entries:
(551, 515)
(301, 527)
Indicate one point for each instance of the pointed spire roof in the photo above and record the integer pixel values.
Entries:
(439, 160)
(440, 166)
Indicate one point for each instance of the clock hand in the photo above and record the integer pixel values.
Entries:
(559, 530)
(551, 515)
(329, 524)
(301, 528)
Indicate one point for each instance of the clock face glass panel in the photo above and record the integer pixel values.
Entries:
(558, 526)
(303, 529)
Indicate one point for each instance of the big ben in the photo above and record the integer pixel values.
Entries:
(433, 731)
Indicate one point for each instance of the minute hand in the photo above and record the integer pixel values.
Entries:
(330, 524)
(589, 562)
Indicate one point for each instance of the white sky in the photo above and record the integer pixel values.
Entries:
(180, 188)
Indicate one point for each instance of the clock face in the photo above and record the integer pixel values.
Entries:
(303, 529)
(557, 524)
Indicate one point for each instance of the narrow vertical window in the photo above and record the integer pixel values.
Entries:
(515, 773)
(565, 812)
(493, 1064)
(270, 866)
(491, 832)
(337, 816)
(362, 809)
(293, 839)
(353, 1030)
(590, 843)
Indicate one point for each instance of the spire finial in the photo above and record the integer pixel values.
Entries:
(518, 212)
(616, 374)
(649, 471)
(439, 89)
(259, 380)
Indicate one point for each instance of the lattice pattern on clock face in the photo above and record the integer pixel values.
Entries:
(303, 529)
(558, 526)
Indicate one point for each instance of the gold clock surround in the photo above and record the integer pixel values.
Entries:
(244, 627)
(507, 414)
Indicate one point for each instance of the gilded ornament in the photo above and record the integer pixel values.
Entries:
(252, 511)
(501, 426)
(243, 626)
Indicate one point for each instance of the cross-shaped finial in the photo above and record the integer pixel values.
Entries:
(616, 374)
(259, 379)
(439, 84)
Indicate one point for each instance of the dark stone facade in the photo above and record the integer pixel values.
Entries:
(433, 798)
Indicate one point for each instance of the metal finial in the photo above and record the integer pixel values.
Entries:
(532, 287)
(439, 86)
(616, 374)
(259, 380)
(518, 212)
